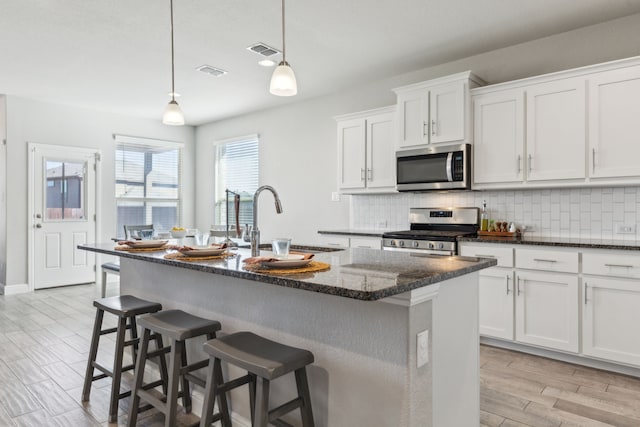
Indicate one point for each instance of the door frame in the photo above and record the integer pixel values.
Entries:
(32, 148)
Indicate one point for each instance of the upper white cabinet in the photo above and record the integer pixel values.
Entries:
(614, 128)
(567, 129)
(366, 151)
(435, 111)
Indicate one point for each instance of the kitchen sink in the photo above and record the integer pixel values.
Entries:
(301, 248)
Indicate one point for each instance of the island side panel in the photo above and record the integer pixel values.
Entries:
(363, 372)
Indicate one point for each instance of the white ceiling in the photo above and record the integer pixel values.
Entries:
(113, 55)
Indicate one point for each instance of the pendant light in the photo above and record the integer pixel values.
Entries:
(283, 80)
(172, 114)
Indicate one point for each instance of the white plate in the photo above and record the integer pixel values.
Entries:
(286, 263)
(202, 251)
(147, 243)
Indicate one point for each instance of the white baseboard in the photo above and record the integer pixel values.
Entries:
(19, 288)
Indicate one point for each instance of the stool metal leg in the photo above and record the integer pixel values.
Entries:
(186, 395)
(133, 332)
(162, 363)
(262, 403)
(210, 394)
(175, 363)
(223, 405)
(117, 370)
(252, 396)
(93, 352)
(139, 377)
(303, 391)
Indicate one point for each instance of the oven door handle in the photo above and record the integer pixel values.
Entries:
(450, 167)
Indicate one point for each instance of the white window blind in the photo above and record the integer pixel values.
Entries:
(237, 167)
(148, 176)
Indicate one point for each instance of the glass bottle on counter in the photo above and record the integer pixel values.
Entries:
(484, 217)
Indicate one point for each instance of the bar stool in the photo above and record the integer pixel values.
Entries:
(126, 307)
(262, 358)
(178, 326)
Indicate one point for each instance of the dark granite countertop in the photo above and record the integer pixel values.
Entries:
(364, 274)
(354, 232)
(628, 245)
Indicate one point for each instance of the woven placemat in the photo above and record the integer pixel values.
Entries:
(130, 249)
(182, 257)
(313, 266)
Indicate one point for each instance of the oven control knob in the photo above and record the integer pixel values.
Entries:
(392, 242)
(415, 244)
(401, 243)
(440, 245)
(431, 246)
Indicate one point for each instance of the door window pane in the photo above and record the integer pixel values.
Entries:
(65, 190)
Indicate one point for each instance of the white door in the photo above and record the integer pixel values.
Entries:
(381, 159)
(547, 310)
(496, 303)
(63, 215)
(413, 118)
(447, 113)
(611, 319)
(351, 152)
(498, 137)
(614, 128)
(556, 128)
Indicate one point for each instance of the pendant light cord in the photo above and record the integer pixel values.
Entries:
(173, 90)
(284, 50)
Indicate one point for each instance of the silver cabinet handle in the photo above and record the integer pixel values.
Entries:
(425, 128)
(361, 174)
(586, 287)
(433, 127)
(593, 159)
(518, 163)
(544, 260)
(370, 174)
(518, 286)
(484, 256)
(529, 163)
(508, 278)
(619, 265)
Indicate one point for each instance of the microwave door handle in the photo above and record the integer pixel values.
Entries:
(449, 167)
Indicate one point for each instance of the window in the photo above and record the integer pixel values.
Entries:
(237, 170)
(148, 178)
(65, 190)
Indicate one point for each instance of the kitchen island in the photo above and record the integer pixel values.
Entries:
(361, 319)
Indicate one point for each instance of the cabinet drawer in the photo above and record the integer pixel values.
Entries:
(611, 264)
(547, 260)
(504, 255)
(364, 242)
(335, 241)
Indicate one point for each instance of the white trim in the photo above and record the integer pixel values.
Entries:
(415, 297)
(32, 147)
(244, 138)
(18, 288)
(127, 139)
(361, 114)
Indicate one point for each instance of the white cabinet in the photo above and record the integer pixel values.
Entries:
(498, 137)
(496, 303)
(614, 128)
(335, 241)
(610, 302)
(366, 152)
(345, 241)
(365, 242)
(435, 111)
(547, 310)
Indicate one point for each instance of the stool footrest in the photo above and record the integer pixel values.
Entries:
(196, 380)
(106, 372)
(108, 331)
(230, 385)
(285, 408)
(158, 352)
(194, 366)
(158, 403)
(279, 423)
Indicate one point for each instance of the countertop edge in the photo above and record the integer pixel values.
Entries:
(587, 244)
(366, 233)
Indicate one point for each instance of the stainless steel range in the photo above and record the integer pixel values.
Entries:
(433, 231)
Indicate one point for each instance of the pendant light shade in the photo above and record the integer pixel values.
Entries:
(283, 80)
(172, 113)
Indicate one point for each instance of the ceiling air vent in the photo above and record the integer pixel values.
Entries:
(263, 49)
(208, 69)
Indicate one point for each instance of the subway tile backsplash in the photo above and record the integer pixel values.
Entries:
(576, 213)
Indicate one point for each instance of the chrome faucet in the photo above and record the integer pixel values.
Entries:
(255, 233)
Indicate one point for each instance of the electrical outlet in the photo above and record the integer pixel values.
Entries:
(382, 224)
(625, 229)
(335, 196)
(422, 348)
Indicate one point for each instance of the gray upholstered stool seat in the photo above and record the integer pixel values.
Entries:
(108, 267)
(177, 326)
(126, 308)
(263, 359)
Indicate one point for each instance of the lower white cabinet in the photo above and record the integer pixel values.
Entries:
(496, 303)
(611, 319)
(345, 241)
(547, 310)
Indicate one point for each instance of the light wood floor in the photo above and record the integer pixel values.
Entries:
(44, 343)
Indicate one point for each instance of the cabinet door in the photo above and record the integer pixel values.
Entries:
(381, 159)
(547, 310)
(496, 303)
(351, 154)
(498, 137)
(413, 118)
(366, 242)
(556, 130)
(611, 319)
(614, 128)
(447, 111)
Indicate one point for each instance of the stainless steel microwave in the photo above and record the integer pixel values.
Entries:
(445, 167)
